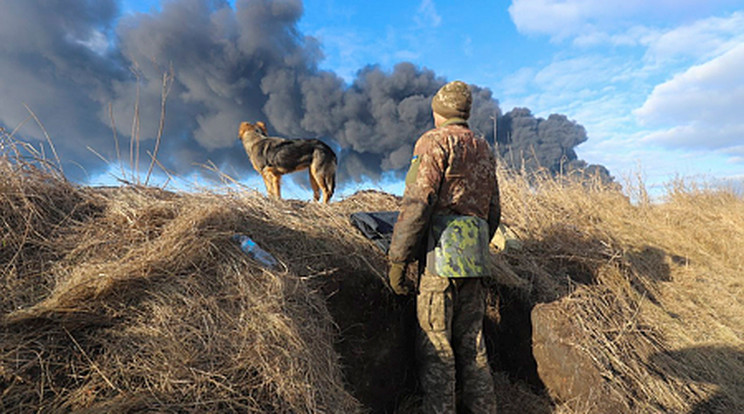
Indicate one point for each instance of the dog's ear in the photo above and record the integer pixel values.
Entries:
(262, 126)
(244, 126)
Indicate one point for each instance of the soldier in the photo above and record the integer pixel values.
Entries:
(451, 207)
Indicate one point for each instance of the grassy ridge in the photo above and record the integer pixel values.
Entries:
(135, 299)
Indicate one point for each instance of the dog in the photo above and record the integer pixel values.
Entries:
(273, 157)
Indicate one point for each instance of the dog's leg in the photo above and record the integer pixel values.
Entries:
(327, 180)
(266, 175)
(275, 180)
(271, 178)
(323, 171)
(278, 185)
(326, 194)
(314, 183)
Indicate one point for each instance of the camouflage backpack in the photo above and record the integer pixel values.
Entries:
(457, 246)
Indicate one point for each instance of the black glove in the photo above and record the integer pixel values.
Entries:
(397, 276)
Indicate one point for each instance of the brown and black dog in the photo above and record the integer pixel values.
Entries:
(272, 157)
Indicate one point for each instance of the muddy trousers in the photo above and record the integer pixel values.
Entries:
(451, 351)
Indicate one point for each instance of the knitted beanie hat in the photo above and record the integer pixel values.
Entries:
(453, 100)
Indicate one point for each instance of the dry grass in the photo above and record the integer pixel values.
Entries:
(135, 299)
(144, 302)
(655, 289)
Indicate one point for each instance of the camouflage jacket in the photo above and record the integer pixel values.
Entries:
(452, 173)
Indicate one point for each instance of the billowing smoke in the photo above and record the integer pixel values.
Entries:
(78, 64)
(537, 144)
(47, 62)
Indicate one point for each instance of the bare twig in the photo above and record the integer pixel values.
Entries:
(46, 135)
(19, 126)
(116, 139)
(167, 83)
(134, 139)
(90, 361)
(210, 166)
(97, 154)
(165, 170)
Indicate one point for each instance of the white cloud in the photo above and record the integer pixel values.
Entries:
(516, 83)
(563, 18)
(699, 135)
(558, 19)
(578, 73)
(589, 20)
(633, 36)
(586, 84)
(701, 39)
(96, 42)
(737, 154)
(427, 15)
(467, 46)
(701, 107)
(634, 108)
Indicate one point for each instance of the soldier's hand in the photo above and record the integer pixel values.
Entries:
(397, 276)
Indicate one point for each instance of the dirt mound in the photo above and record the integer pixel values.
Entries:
(137, 299)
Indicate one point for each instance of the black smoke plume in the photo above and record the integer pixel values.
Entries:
(78, 64)
(536, 144)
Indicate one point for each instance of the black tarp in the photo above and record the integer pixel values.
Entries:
(376, 226)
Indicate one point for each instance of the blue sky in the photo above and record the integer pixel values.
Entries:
(658, 84)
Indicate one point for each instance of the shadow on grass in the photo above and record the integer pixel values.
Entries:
(717, 366)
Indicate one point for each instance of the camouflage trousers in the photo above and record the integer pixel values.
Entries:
(451, 351)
